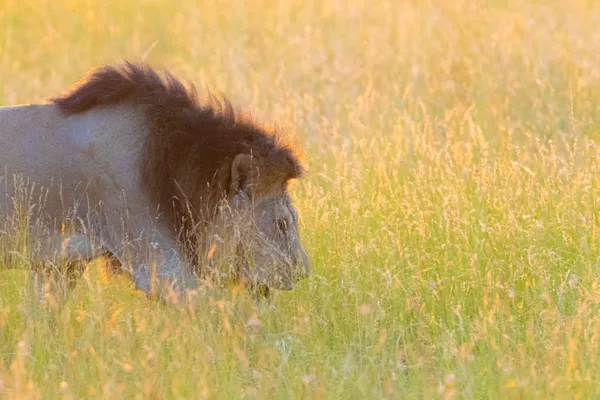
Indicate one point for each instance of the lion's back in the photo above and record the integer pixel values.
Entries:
(73, 157)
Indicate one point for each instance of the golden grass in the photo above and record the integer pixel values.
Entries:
(451, 209)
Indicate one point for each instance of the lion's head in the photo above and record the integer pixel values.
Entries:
(261, 224)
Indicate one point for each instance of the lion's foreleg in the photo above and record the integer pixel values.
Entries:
(156, 266)
(165, 275)
(145, 248)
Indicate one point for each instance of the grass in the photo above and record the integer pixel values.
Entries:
(451, 210)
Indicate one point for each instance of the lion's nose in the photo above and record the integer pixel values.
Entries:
(302, 266)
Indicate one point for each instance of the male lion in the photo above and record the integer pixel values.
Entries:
(156, 179)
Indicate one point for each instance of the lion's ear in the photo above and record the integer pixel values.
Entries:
(241, 174)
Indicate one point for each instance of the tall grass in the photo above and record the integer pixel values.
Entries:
(451, 210)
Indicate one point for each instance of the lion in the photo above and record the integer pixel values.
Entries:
(162, 183)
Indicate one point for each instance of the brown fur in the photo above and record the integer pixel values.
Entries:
(190, 146)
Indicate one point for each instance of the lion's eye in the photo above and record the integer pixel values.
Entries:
(282, 225)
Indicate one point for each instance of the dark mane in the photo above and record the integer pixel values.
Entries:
(190, 145)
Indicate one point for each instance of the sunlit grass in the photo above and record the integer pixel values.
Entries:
(451, 208)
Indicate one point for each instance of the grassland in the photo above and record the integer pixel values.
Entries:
(451, 210)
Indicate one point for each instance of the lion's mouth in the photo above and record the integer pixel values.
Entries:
(260, 290)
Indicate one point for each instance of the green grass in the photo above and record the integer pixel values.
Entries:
(451, 210)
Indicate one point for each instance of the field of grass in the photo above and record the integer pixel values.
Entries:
(451, 209)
